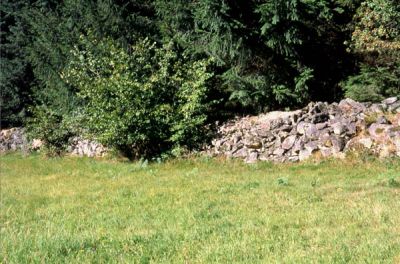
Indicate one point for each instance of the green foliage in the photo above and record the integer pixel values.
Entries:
(376, 40)
(249, 56)
(280, 25)
(373, 84)
(141, 101)
(53, 130)
(393, 183)
(15, 76)
(269, 54)
(52, 31)
(282, 181)
(377, 30)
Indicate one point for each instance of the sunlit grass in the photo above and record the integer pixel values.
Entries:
(73, 210)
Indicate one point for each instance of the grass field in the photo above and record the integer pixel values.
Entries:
(71, 210)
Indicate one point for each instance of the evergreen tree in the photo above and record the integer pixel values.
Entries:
(16, 76)
(270, 53)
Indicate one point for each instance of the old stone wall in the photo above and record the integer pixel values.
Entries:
(327, 129)
(14, 139)
(320, 128)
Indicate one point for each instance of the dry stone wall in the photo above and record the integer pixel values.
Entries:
(14, 139)
(328, 129)
(84, 147)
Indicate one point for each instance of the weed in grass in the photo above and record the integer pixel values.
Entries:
(282, 181)
(314, 183)
(393, 183)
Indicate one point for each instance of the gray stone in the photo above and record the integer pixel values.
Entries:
(263, 157)
(228, 145)
(320, 118)
(366, 142)
(218, 143)
(382, 120)
(278, 142)
(264, 133)
(253, 143)
(252, 158)
(377, 108)
(338, 143)
(288, 142)
(236, 139)
(390, 100)
(240, 153)
(351, 129)
(311, 146)
(396, 142)
(301, 128)
(350, 106)
(325, 140)
(298, 145)
(285, 128)
(394, 107)
(321, 126)
(283, 135)
(304, 154)
(326, 152)
(279, 152)
(338, 128)
(311, 131)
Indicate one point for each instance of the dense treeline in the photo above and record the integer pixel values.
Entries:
(148, 76)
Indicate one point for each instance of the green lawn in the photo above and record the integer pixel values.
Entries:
(73, 210)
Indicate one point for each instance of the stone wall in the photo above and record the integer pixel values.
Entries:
(320, 128)
(327, 129)
(14, 139)
(84, 147)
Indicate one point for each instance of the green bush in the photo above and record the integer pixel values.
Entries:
(373, 84)
(50, 127)
(376, 41)
(142, 100)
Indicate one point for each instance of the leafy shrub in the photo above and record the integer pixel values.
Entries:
(51, 127)
(376, 29)
(376, 40)
(373, 84)
(143, 100)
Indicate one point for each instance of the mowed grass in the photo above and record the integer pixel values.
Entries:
(77, 210)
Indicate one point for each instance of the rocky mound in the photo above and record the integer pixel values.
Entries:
(319, 128)
(14, 139)
(328, 129)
